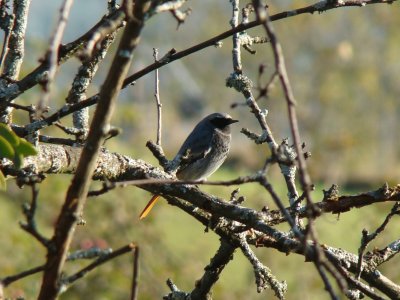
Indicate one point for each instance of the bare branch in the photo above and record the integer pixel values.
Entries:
(14, 55)
(10, 279)
(217, 264)
(264, 277)
(51, 57)
(82, 81)
(77, 192)
(101, 260)
(66, 51)
(29, 212)
(13, 50)
(368, 237)
(135, 275)
(158, 100)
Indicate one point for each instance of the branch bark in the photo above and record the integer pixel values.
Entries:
(77, 192)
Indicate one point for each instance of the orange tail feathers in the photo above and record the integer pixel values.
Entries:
(149, 206)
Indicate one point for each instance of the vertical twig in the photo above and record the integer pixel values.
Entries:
(243, 84)
(14, 51)
(83, 78)
(30, 212)
(6, 23)
(52, 54)
(81, 83)
(135, 275)
(262, 16)
(236, 55)
(157, 97)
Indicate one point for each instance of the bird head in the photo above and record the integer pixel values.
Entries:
(220, 121)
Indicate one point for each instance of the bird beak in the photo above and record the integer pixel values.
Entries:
(232, 121)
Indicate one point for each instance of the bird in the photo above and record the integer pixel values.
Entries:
(203, 151)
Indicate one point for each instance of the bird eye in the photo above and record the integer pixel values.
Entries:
(220, 122)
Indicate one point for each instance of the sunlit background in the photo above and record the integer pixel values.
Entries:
(344, 70)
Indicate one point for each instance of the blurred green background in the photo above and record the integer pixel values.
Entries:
(344, 69)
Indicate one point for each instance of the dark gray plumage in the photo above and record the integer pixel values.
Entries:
(203, 151)
(207, 147)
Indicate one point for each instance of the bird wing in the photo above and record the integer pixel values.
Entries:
(195, 147)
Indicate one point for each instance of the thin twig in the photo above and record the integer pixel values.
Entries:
(158, 100)
(265, 20)
(66, 51)
(114, 22)
(243, 84)
(14, 54)
(367, 290)
(263, 17)
(6, 24)
(264, 277)
(77, 191)
(80, 254)
(10, 279)
(30, 212)
(81, 83)
(135, 274)
(139, 182)
(328, 286)
(13, 49)
(52, 54)
(101, 260)
(31, 79)
(368, 237)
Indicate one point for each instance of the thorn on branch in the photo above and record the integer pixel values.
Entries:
(175, 292)
(180, 16)
(166, 58)
(107, 186)
(332, 194)
(158, 153)
(234, 194)
(235, 198)
(258, 139)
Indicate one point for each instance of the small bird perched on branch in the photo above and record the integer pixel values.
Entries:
(203, 151)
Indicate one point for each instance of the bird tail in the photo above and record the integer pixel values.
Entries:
(148, 207)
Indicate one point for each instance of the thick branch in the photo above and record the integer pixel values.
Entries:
(218, 262)
(116, 167)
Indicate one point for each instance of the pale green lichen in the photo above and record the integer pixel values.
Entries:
(239, 82)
